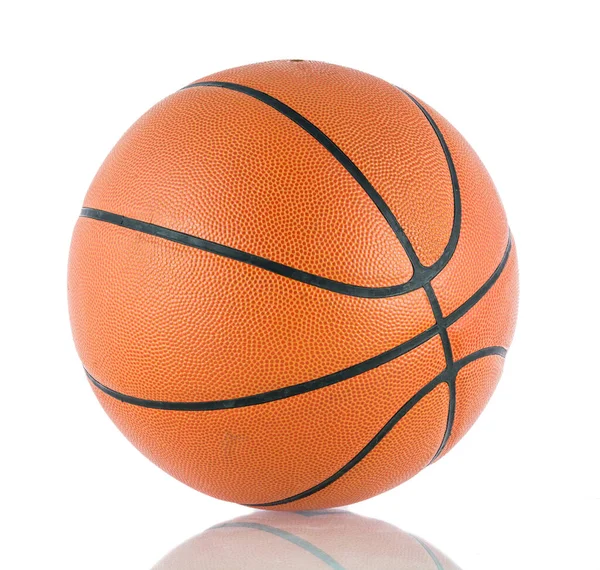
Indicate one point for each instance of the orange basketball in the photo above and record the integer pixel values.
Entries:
(292, 285)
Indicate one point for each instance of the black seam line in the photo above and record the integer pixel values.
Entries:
(365, 450)
(479, 294)
(481, 353)
(310, 385)
(407, 407)
(251, 259)
(279, 393)
(439, 319)
(333, 148)
(456, 222)
(289, 537)
(451, 413)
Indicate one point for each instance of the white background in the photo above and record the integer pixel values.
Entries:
(518, 79)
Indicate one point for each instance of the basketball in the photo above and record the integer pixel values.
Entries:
(297, 541)
(292, 285)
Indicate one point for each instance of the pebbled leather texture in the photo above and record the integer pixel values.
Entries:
(306, 397)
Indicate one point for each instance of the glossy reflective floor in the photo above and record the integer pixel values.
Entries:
(310, 540)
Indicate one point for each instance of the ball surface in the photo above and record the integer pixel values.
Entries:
(292, 285)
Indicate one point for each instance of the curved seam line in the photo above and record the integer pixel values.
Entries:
(451, 413)
(249, 258)
(318, 383)
(443, 260)
(463, 309)
(279, 393)
(343, 159)
(289, 537)
(405, 409)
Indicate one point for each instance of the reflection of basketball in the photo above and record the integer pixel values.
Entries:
(292, 285)
(303, 541)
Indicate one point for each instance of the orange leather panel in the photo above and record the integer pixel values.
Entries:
(379, 128)
(162, 321)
